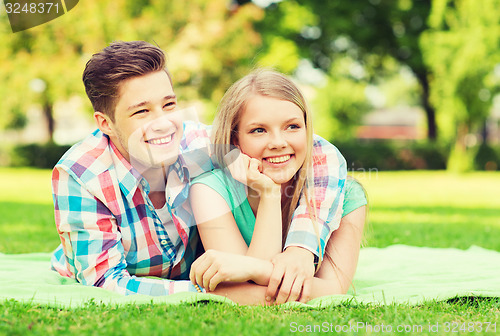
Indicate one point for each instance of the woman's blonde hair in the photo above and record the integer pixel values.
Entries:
(266, 83)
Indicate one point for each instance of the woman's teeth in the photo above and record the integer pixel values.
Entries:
(279, 159)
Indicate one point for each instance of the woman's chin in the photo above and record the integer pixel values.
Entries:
(279, 179)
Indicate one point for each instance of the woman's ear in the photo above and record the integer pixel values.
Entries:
(104, 123)
(235, 142)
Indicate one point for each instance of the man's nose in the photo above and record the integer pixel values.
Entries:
(161, 123)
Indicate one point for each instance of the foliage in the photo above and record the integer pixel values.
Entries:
(37, 155)
(208, 48)
(487, 157)
(461, 49)
(403, 155)
(388, 155)
(366, 32)
(338, 106)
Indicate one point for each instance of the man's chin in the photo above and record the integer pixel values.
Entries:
(158, 161)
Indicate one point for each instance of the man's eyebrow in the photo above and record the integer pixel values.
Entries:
(170, 97)
(133, 107)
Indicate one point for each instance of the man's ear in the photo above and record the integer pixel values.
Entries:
(104, 123)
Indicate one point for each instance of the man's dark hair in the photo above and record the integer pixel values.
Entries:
(107, 69)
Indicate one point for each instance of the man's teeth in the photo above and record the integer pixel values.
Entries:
(161, 141)
(279, 159)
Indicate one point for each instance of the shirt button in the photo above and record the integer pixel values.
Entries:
(163, 242)
(150, 207)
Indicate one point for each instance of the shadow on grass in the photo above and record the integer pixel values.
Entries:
(474, 301)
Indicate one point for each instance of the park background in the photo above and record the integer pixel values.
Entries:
(408, 90)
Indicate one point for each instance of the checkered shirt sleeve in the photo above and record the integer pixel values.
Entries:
(92, 244)
(329, 174)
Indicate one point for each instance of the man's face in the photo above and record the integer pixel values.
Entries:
(148, 128)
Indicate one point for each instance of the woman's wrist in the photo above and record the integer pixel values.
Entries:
(261, 272)
(271, 192)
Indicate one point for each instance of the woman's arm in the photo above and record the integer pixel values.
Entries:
(214, 267)
(216, 270)
(219, 231)
(216, 225)
(341, 257)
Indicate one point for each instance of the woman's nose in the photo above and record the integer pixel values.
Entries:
(277, 141)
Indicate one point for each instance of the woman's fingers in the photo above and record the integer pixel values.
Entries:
(208, 275)
(198, 268)
(214, 281)
(237, 163)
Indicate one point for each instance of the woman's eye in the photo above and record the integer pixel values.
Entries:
(257, 130)
(294, 126)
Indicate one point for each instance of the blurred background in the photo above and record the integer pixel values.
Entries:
(395, 84)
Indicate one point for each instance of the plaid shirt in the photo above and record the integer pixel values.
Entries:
(112, 237)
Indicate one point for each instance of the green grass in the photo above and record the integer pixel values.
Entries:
(416, 208)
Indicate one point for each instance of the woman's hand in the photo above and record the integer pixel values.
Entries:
(248, 171)
(214, 267)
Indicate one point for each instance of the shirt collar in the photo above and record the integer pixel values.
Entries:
(129, 178)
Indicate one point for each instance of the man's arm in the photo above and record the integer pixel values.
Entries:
(329, 174)
(91, 242)
(306, 239)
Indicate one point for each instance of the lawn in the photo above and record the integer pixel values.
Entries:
(420, 208)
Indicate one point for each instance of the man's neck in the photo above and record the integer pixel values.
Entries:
(157, 179)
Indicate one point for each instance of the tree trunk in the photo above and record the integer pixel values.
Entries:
(430, 112)
(48, 112)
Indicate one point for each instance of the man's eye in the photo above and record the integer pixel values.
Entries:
(169, 104)
(139, 112)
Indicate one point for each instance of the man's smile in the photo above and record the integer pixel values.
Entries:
(161, 141)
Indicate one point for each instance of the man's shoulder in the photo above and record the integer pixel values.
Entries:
(322, 147)
(89, 157)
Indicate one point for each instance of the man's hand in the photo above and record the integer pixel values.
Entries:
(291, 270)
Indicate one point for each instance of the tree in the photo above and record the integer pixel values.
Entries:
(367, 31)
(208, 47)
(461, 49)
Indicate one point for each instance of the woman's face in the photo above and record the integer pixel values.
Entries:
(274, 132)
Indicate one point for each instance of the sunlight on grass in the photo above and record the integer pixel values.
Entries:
(420, 208)
(415, 208)
(26, 185)
(411, 188)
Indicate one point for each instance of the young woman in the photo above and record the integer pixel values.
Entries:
(243, 217)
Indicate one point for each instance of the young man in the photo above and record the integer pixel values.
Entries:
(120, 195)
